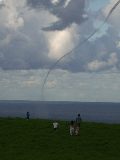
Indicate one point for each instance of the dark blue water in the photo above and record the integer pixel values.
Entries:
(90, 111)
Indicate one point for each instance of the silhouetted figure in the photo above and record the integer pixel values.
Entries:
(28, 115)
(78, 120)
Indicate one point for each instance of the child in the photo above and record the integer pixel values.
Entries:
(77, 128)
(72, 130)
(55, 125)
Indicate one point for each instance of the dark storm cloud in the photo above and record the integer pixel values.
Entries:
(74, 12)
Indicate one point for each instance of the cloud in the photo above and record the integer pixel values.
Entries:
(115, 15)
(60, 42)
(67, 12)
(24, 45)
(118, 44)
(51, 84)
(2, 4)
(10, 13)
(67, 3)
(62, 86)
(55, 2)
(27, 51)
(98, 65)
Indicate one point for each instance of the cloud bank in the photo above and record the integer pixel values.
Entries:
(34, 34)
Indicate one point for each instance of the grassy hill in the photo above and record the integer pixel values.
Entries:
(36, 140)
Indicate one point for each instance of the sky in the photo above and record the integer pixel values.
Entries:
(34, 34)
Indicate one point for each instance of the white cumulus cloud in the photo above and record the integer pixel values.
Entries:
(97, 65)
(61, 42)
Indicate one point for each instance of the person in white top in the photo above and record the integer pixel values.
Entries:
(72, 129)
(55, 125)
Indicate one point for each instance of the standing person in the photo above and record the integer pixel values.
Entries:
(72, 128)
(55, 125)
(78, 120)
(28, 115)
(78, 123)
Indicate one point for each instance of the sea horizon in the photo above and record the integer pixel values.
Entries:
(104, 112)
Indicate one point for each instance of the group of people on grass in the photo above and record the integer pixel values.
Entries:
(74, 126)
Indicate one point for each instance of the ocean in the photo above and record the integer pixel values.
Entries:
(104, 112)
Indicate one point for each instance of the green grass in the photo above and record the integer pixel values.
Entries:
(36, 140)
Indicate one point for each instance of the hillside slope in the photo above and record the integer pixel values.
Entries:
(36, 140)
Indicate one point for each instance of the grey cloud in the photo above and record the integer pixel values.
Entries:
(39, 3)
(106, 54)
(99, 50)
(73, 13)
(25, 47)
(97, 65)
(47, 4)
(59, 25)
(28, 48)
(2, 4)
(22, 50)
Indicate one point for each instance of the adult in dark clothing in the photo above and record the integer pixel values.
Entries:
(28, 115)
(78, 120)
